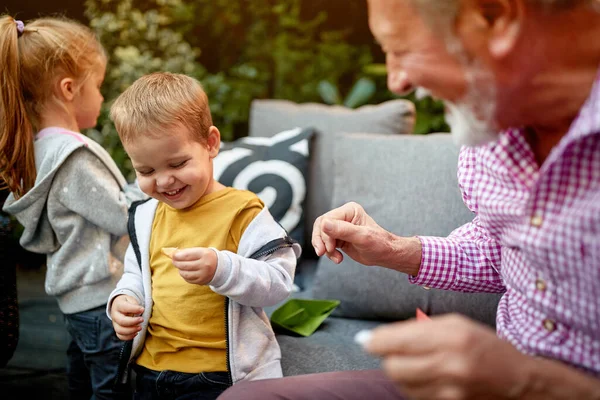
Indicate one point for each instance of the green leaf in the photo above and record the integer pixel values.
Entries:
(375, 69)
(361, 92)
(329, 93)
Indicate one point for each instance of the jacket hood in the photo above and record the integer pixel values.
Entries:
(30, 209)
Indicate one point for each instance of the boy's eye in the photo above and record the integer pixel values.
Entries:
(145, 173)
(179, 165)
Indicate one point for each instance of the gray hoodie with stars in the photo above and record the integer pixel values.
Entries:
(76, 214)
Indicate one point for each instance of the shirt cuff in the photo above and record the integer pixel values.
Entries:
(439, 262)
(223, 270)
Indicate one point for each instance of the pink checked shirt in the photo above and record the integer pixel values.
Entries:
(535, 236)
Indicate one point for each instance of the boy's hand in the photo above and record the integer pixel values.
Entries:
(196, 265)
(126, 317)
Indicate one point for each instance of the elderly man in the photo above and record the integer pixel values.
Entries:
(529, 70)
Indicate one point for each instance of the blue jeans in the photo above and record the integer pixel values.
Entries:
(93, 356)
(172, 385)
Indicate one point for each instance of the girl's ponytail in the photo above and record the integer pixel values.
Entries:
(32, 58)
(17, 160)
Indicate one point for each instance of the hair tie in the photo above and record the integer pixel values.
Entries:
(20, 27)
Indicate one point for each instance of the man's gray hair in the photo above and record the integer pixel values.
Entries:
(447, 10)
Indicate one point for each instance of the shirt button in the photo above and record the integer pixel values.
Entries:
(537, 221)
(540, 285)
(549, 325)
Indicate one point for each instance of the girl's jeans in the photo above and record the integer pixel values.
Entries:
(172, 385)
(93, 356)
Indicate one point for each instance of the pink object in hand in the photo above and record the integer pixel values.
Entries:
(421, 316)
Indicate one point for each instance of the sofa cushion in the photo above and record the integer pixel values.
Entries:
(274, 168)
(330, 348)
(408, 185)
(267, 117)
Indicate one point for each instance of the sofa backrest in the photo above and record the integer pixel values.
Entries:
(268, 117)
(408, 184)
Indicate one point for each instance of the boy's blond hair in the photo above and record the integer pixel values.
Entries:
(158, 101)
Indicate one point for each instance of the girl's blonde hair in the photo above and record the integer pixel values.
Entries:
(32, 61)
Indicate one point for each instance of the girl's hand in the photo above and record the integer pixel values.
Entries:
(125, 313)
(196, 265)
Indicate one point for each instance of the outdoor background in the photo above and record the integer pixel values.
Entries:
(240, 50)
(298, 50)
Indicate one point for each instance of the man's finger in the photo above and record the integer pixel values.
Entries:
(406, 338)
(320, 240)
(410, 370)
(328, 241)
(336, 256)
(342, 230)
(316, 240)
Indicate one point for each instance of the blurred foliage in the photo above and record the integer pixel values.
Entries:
(239, 50)
(430, 112)
(360, 94)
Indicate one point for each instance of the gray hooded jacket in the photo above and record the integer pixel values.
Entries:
(260, 274)
(75, 214)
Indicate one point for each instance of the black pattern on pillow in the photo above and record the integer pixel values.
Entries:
(275, 168)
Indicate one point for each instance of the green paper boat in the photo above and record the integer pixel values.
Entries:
(303, 316)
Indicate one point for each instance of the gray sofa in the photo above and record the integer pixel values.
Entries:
(407, 183)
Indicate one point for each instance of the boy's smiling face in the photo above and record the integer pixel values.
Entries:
(173, 167)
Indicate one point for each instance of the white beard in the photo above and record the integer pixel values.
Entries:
(471, 119)
(466, 128)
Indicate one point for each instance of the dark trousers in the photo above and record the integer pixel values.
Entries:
(93, 356)
(173, 385)
(344, 385)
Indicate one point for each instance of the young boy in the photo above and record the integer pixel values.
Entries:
(203, 259)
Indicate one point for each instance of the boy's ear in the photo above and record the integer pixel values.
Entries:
(66, 89)
(213, 141)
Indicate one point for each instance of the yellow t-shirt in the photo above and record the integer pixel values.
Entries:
(186, 331)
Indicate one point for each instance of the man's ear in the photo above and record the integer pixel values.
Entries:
(66, 89)
(505, 20)
(213, 141)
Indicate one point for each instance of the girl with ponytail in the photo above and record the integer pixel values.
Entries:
(66, 191)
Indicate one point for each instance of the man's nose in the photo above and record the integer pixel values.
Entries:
(398, 82)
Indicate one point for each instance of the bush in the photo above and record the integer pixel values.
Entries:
(240, 50)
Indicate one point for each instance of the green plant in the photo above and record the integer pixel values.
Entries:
(239, 50)
(430, 112)
(360, 93)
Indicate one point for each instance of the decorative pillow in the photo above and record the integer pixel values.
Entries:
(267, 117)
(275, 168)
(408, 184)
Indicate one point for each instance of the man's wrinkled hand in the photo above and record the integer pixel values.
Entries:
(351, 230)
(449, 357)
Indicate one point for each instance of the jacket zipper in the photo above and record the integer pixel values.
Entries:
(127, 348)
(269, 248)
(227, 360)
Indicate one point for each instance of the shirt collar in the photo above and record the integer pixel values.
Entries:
(587, 121)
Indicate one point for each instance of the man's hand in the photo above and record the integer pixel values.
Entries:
(450, 357)
(350, 229)
(125, 313)
(196, 265)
